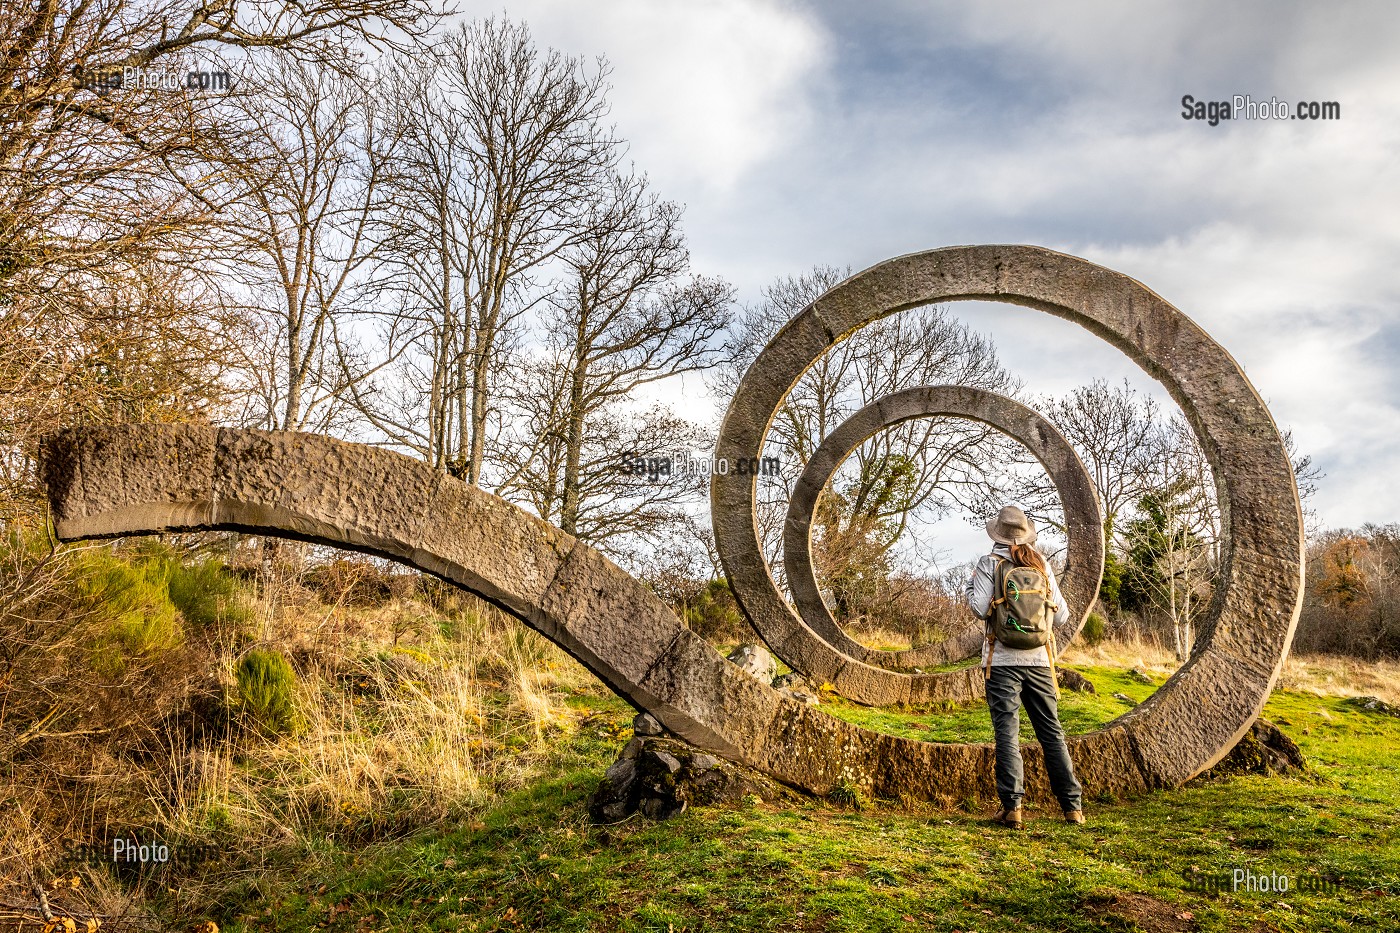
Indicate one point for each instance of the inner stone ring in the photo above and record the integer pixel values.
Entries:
(1084, 559)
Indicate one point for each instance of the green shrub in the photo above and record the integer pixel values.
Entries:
(714, 615)
(1095, 629)
(848, 793)
(206, 593)
(267, 690)
(130, 608)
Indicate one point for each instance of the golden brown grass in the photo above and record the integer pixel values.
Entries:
(1331, 675)
(394, 735)
(1321, 675)
(408, 715)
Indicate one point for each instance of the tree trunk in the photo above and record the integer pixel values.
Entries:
(573, 447)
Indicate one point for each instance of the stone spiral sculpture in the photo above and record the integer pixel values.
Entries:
(145, 479)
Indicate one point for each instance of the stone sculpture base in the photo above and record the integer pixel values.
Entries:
(661, 778)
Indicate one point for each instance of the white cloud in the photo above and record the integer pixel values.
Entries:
(703, 91)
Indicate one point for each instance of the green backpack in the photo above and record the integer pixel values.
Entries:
(1021, 613)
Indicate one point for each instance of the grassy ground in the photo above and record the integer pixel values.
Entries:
(442, 757)
(534, 863)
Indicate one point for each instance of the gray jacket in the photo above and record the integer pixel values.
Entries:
(979, 597)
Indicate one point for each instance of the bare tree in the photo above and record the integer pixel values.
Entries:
(305, 179)
(424, 218)
(622, 319)
(142, 344)
(633, 494)
(106, 186)
(93, 165)
(1172, 543)
(1117, 433)
(504, 147)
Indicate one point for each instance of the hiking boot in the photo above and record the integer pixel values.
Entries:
(1074, 816)
(1013, 818)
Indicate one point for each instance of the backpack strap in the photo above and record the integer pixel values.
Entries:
(998, 584)
(991, 610)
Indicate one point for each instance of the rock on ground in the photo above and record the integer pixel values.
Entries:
(1373, 705)
(645, 724)
(660, 778)
(798, 687)
(1263, 750)
(1073, 680)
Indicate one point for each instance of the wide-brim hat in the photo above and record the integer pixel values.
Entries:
(1011, 526)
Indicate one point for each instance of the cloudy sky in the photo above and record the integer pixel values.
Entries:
(846, 133)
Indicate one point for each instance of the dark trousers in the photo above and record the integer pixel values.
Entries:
(1007, 689)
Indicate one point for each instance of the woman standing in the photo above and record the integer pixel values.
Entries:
(1017, 675)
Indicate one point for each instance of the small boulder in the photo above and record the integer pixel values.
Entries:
(1141, 676)
(794, 685)
(660, 778)
(756, 661)
(662, 760)
(1073, 680)
(1123, 697)
(646, 724)
(1264, 749)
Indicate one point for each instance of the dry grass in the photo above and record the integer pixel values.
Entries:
(1321, 675)
(394, 735)
(1125, 651)
(880, 639)
(408, 715)
(1331, 675)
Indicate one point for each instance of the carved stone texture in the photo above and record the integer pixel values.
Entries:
(1084, 560)
(1206, 707)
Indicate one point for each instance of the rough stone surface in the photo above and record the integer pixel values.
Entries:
(1085, 558)
(1207, 705)
(662, 778)
(756, 661)
(153, 478)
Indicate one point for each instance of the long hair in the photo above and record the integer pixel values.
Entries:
(1025, 555)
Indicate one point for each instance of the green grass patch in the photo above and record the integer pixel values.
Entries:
(1080, 712)
(534, 863)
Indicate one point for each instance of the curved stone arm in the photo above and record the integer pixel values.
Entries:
(147, 479)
